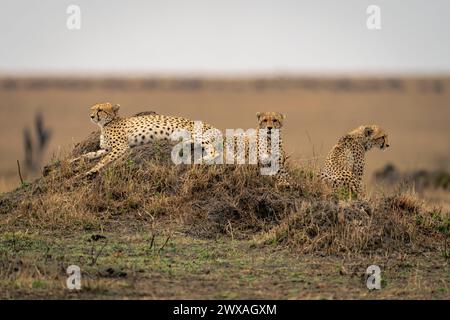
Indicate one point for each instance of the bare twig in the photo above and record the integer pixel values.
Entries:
(20, 173)
(446, 251)
(94, 259)
(152, 241)
(167, 240)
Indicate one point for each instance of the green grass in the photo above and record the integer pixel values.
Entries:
(132, 266)
(147, 229)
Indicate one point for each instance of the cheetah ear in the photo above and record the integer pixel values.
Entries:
(258, 114)
(368, 131)
(116, 108)
(283, 116)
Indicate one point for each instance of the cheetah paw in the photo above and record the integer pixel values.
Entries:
(210, 158)
(282, 185)
(91, 175)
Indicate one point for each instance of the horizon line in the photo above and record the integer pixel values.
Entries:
(221, 75)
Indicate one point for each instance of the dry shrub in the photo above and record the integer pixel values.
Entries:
(397, 223)
(145, 189)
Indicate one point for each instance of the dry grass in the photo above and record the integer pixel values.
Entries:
(398, 223)
(207, 201)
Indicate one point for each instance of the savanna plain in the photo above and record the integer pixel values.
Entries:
(147, 229)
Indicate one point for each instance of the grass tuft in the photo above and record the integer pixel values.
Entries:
(146, 189)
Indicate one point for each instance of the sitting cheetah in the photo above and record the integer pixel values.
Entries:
(266, 121)
(344, 164)
(119, 134)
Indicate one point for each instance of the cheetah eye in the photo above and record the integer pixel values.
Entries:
(265, 120)
(275, 120)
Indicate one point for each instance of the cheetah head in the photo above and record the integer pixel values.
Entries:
(104, 113)
(270, 120)
(373, 136)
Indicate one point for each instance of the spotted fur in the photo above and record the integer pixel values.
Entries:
(119, 134)
(344, 165)
(268, 121)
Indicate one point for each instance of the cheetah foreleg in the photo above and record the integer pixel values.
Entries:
(90, 155)
(211, 154)
(113, 155)
(348, 182)
(282, 178)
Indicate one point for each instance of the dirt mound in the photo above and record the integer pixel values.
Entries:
(146, 189)
(398, 223)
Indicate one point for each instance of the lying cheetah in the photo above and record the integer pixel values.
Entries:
(269, 121)
(119, 134)
(344, 164)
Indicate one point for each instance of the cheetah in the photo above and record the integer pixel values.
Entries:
(268, 122)
(344, 164)
(120, 134)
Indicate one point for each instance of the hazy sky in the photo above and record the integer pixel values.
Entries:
(227, 36)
